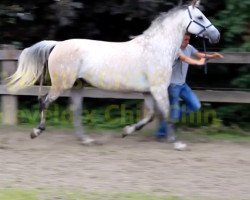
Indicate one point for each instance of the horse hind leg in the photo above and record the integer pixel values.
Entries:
(76, 101)
(41, 127)
(44, 104)
(150, 106)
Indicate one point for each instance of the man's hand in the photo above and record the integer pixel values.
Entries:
(202, 61)
(216, 55)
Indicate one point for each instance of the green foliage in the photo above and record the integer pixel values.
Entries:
(96, 114)
(109, 114)
(112, 114)
(58, 113)
(107, 20)
(43, 194)
(206, 116)
(16, 194)
(24, 24)
(234, 22)
(242, 82)
(232, 133)
(235, 114)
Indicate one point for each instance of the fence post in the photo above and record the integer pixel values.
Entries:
(9, 102)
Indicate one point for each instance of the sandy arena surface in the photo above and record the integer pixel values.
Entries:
(210, 170)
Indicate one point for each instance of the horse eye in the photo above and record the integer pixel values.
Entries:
(200, 18)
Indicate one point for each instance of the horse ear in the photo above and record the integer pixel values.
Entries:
(196, 3)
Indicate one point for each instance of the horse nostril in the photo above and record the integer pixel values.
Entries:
(218, 38)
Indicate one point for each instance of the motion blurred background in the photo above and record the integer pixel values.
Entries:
(23, 23)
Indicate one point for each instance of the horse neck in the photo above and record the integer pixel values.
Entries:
(166, 39)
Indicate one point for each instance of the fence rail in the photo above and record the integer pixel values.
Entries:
(9, 56)
(90, 92)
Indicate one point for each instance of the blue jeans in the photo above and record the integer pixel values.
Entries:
(191, 101)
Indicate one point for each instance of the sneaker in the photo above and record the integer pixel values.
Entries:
(180, 146)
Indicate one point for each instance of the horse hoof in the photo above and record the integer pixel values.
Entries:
(88, 141)
(35, 133)
(32, 135)
(128, 130)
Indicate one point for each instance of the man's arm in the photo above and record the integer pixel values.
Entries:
(191, 61)
(208, 55)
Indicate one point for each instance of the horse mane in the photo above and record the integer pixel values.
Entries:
(156, 23)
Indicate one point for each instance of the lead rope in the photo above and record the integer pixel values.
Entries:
(205, 52)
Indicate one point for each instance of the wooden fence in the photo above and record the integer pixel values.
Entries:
(9, 56)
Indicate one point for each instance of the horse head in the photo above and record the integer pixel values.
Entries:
(198, 24)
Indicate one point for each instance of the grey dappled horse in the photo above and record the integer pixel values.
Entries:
(143, 64)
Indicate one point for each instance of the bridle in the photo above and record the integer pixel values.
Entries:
(204, 28)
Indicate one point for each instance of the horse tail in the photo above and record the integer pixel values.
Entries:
(31, 64)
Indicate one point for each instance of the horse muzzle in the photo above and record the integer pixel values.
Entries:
(213, 35)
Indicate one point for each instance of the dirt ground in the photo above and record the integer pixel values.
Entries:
(207, 170)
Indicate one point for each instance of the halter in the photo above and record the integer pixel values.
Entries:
(204, 28)
(205, 52)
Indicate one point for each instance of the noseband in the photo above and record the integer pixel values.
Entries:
(204, 28)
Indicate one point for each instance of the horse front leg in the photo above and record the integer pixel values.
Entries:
(161, 97)
(149, 105)
(76, 107)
